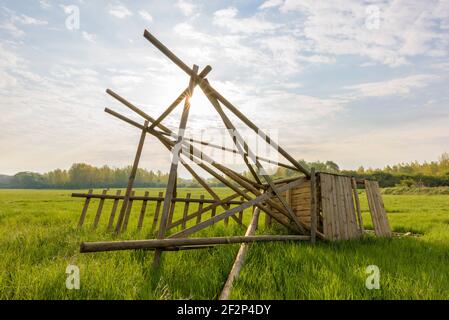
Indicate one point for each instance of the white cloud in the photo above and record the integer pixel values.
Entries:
(27, 20)
(45, 4)
(146, 15)
(120, 11)
(12, 29)
(399, 86)
(271, 4)
(187, 7)
(406, 28)
(227, 18)
(89, 36)
(6, 80)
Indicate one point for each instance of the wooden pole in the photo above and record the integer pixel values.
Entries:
(114, 210)
(174, 167)
(132, 177)
(240, 258)
(142, 212)
(357, 206)
(170, 243)
(99, 210)
(85, 207)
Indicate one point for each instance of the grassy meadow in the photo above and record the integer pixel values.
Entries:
(39, 239)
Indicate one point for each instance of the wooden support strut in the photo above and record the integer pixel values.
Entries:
(173, 243)
(174, 167)
(132, 177)
(240, 258)
(225, 102)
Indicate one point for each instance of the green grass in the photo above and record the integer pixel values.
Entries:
(38, 239)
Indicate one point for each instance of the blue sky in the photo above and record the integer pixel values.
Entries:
(357, 82)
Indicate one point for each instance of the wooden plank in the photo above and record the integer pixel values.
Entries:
(241, 213)
(240, 258)
(132, 177)
(353, 219)
(334, 212)
(99, 210)
(377, 208)
(128, 212)
(357, 206)
(156, 212)
(200, 207)
(313, 205)
(114, 210)
(85, 207)
(186, 211)
(142, 212)
(325, 202)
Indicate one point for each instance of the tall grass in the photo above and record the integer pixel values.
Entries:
(38, 239)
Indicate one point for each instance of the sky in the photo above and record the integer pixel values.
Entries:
(356, 82)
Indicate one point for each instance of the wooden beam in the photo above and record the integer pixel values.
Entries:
(99, 210)
(174, 167)
(84, 211)
(132, 177)
(170, 243)
(240, 258)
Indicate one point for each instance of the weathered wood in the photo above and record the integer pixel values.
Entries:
(156, 212)
(232, 211)
(85, 207)
(99, 210)
(150, 198)
(240, 258)
(174, 166)
(114, 210)
(241, 213)
(186, 211)
(314, 207)
(132, 177)
(377, 209)
(200, 208)
(168, 243)
(357, 205)
(142, 212)
(128, 213)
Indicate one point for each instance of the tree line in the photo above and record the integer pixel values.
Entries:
(81, 175)
(413, 174)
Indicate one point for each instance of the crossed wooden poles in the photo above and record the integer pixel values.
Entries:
(183, 148)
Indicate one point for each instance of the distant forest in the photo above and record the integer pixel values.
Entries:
(81, 175)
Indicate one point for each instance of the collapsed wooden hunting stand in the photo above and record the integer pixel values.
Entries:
(311, 205)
